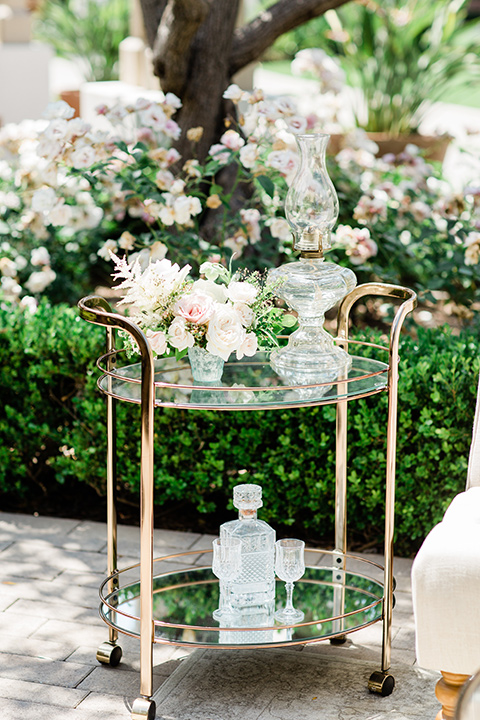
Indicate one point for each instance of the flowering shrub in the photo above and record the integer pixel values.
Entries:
(71, 194)
(222, 313)
(412, 227)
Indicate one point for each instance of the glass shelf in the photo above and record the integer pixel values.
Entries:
(248, 384)
(335, 602)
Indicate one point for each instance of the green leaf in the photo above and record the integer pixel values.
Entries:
(267, 184)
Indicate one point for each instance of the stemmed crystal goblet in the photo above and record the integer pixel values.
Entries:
(226, 565)
(289, 566)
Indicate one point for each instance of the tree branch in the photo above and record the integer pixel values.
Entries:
(152, 11)
(252, 39)
(172, 47)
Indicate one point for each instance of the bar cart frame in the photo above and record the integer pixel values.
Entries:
(96, 310)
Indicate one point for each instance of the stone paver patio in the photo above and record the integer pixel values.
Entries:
(50, 629)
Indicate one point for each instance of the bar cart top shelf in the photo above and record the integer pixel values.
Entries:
(248, 384)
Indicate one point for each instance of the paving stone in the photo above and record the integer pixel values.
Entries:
(41, 693)
(65, 592)
(41, 670)
(13, 526)
(42, 560)
(78, 579)
(49, 610)
(16, 624)
(44, 649)
(165, 542)
(118, 706)
(74, 633)
(6, 600)
(111, 681)
(18, 709)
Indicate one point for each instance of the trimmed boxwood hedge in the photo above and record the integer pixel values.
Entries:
(52, 436)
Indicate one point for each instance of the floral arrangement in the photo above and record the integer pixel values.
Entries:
(222, 312)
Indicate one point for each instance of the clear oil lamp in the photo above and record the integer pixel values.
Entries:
(311, 286)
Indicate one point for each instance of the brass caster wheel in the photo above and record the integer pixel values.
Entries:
(381, 683)
(143, 709)
(340, 640)
(109, 654)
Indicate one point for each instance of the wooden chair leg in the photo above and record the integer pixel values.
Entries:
(447, 691)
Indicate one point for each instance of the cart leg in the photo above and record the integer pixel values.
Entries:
(382, 682)
(144, 706)
(110, 653)
(340, 520)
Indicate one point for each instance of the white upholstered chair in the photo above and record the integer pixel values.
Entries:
(446, 589)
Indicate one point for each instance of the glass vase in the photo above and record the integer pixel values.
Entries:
(311, 286)
(206, 368)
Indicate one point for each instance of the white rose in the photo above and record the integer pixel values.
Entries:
(195, 205)
(296, 124)
(44, 199)
(181, 209)
(153, 117)
(245, 313)
(59, 109)
(195, 308)
(10, 286)
(29, 303)
(284, 161)
(158, 341)
(158, 251)
(60, 215)
(241, 292)
(8, 267)
(280, 229)
(83, 157)
(164, 179)
(208, 287)
(225, 333)
(107, 247)
(40, 256)
(173, 101)
(249, 155)
(178, 335)
(233, 93)
(38, 281)
(249, 346)
(167, 215)
(232, 140)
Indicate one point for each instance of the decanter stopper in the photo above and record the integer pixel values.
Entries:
(247, 497)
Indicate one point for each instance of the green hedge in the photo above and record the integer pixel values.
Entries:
(52, 435)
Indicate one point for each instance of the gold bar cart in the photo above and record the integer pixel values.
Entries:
(341, 595)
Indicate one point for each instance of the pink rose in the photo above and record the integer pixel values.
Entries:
(158, 341)
(196, 308)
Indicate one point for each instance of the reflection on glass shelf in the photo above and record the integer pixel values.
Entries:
(247, 384)
(184, 602)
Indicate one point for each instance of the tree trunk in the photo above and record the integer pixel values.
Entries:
(197, 49)
(208, 77)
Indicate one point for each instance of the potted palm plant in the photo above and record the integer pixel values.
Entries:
(403, 55)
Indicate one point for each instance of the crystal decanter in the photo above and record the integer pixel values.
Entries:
(311, 286)
(252, 593)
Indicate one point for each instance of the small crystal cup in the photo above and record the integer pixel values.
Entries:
(226, 565)
(289, 566)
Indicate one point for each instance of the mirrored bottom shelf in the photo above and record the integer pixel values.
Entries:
(334, 602)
